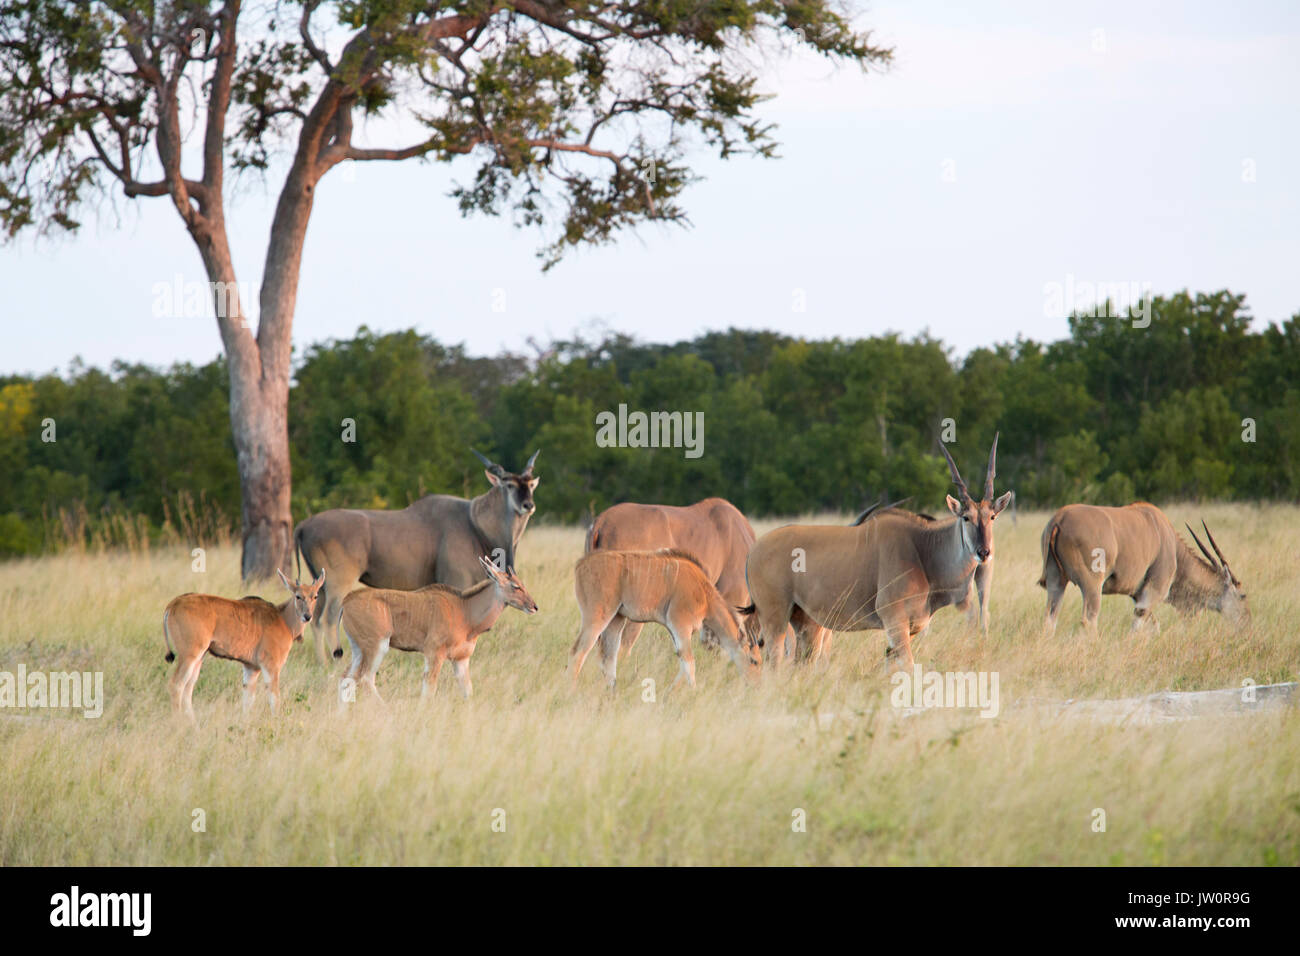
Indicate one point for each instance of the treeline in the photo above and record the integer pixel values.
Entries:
(1196, 405)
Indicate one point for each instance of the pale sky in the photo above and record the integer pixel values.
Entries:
(1012, 145)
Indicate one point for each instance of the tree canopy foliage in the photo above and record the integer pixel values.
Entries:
(579, 113)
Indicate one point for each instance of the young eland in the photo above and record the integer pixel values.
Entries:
(438, 621)
(252, 631)
(668, 587)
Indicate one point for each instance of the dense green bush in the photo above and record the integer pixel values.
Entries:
(1109, 414)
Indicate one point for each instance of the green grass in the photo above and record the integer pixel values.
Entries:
(716, 775)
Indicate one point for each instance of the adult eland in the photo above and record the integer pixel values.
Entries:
(1135, 551)
(889, 573)
(436, 540)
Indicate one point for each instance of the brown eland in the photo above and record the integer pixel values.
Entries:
(891, 573)
(441, 622)
(252, 631)
(813, 643)
(436, 540)
(668, 587)
(1134, 550)
(976, 602)
(713, 530)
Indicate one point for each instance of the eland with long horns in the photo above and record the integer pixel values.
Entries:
(1135, 551)
(889, 573)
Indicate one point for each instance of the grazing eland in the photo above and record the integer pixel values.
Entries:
(1133, 550)
(890, 572)
(252, 631)
(668, 587)
(441, 622)
(713, 531)
(436, 540)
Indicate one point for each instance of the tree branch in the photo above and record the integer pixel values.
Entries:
(586, 148)
(304, 30)
(219, 104)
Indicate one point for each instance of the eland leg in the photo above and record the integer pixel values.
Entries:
(1091, 604)
(630, 632)
(272, 687)
(1055, 583)
(594, 621)
(984, 585)
(461, 669)
(356, 662)
(176, 684)
(898, 633)
(681, 630)
(368, 673)
(812, 640)
(610, 642)
(251, 674)
(1144, 603)
(432, 667)
(187, 693)
(774, 629)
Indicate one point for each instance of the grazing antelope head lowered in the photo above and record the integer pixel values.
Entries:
(712, 530)
(1135, 551)
(667, 586)
(1231, 597)
(977, 516)
(518, 488)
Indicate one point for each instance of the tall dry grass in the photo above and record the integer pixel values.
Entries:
(718, 775)
(187, 520)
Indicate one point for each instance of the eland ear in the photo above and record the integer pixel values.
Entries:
(284, 579)
(320, 579)
(954, 505)
(1001, 503)
(492, 478)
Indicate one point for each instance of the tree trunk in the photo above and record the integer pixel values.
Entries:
(259, 418)
(259, 407)
(259, 366)
(259, 397)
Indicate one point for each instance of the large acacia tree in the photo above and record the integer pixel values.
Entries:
(576, 115)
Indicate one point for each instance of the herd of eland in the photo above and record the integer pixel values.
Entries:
(433, 577)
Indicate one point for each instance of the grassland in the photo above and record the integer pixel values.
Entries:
(716, 776)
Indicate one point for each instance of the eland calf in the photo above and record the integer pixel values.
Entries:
(1133, 550)
(439, 621)
(252, 631)
(668, 587)
(713, 531)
